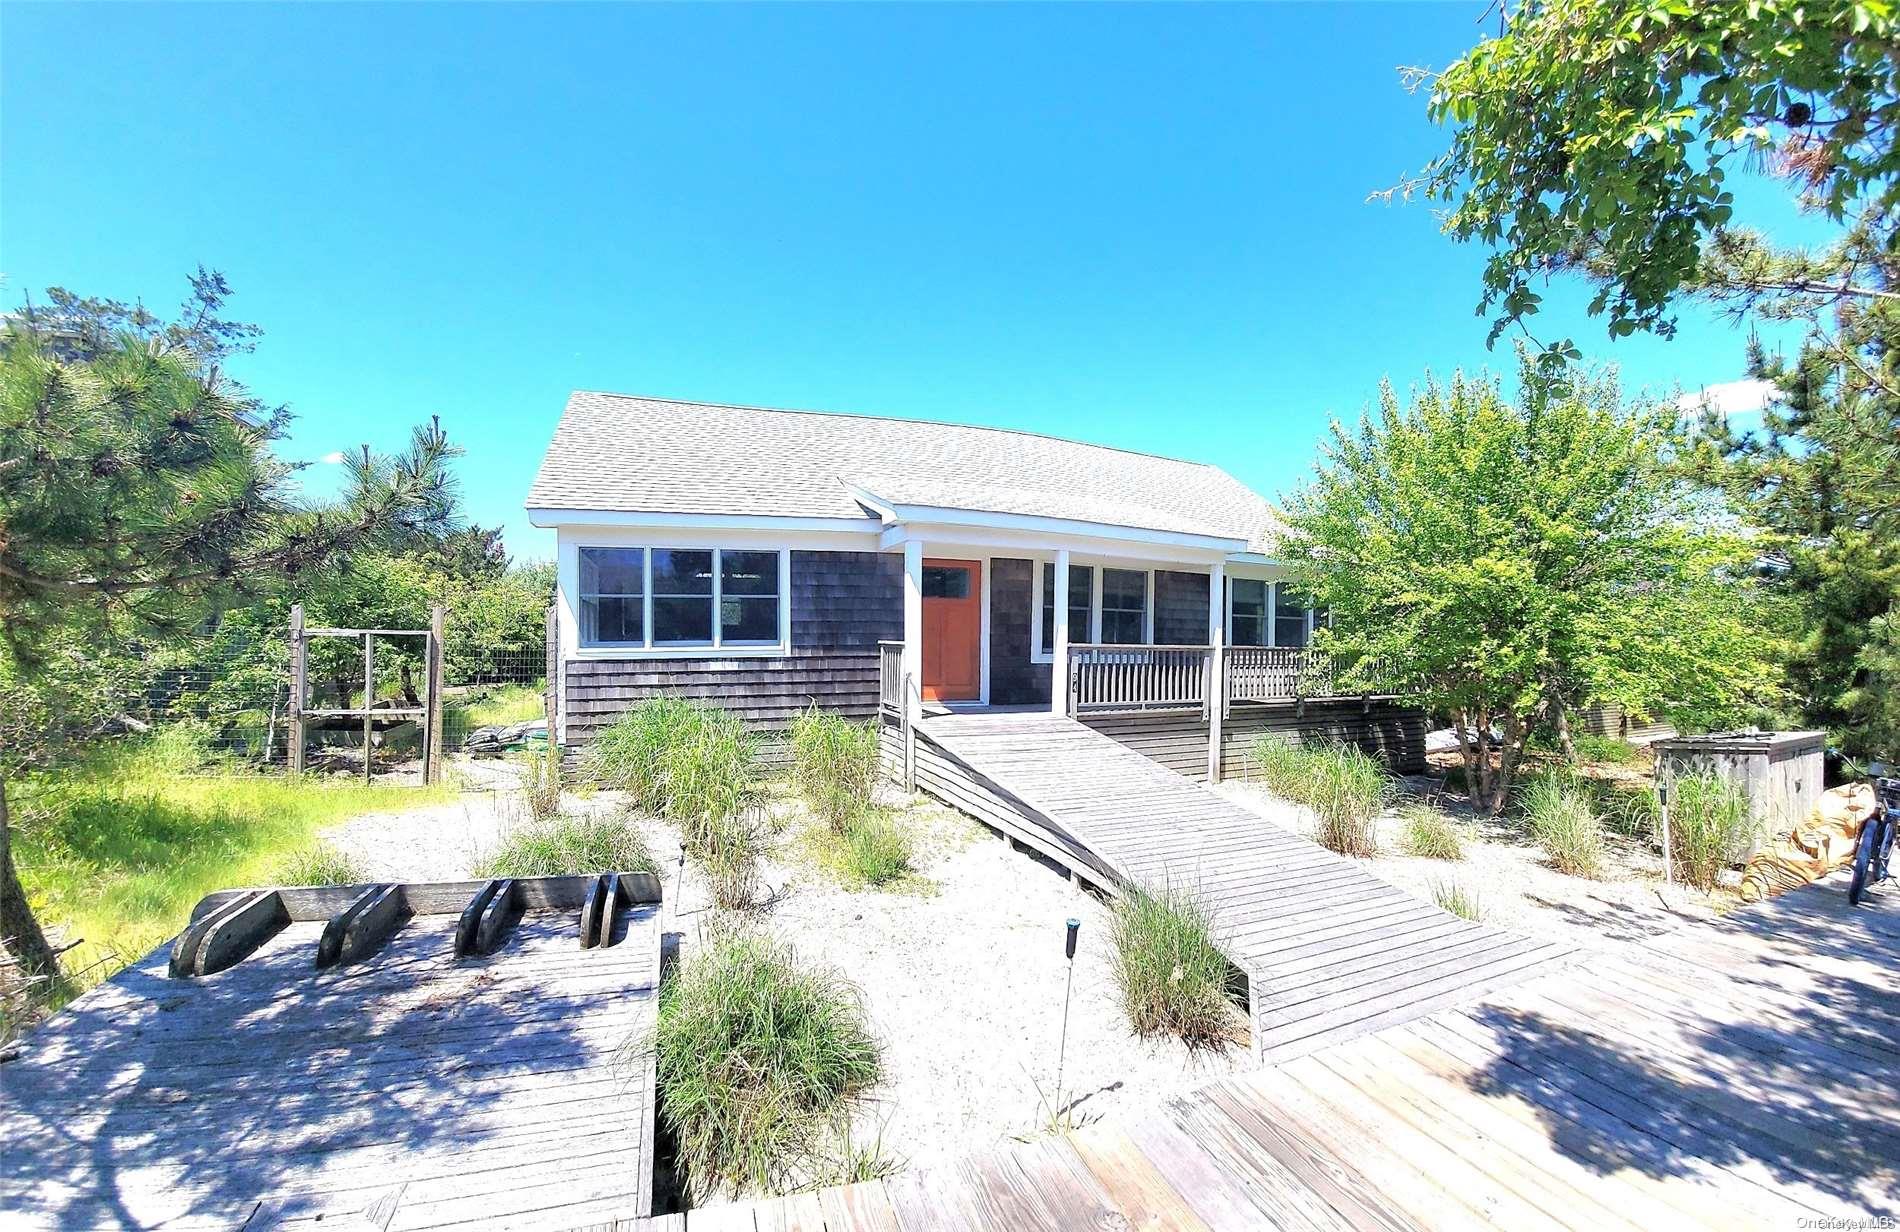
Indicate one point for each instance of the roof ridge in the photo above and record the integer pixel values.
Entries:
(935, 423)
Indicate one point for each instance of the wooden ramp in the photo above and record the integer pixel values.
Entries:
(399, 1087)
(1731, 1076)
(1329, 950)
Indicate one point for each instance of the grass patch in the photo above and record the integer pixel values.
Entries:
(1427, 832)
(876, 849)
(559, 846)
(1710, 827)
(1463, 903)
(1343, 786)
(1561, 816)
(118, 848)
(1172, 976)
(1604, 750)
(761, 1063)
(319, 865)
(500, 705)
(834, 765)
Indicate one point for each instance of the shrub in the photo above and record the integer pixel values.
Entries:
(1172, 976)
(1558, 812)
(1431, 834)
(834, 765)
(1463, 903)
(560, 846)
(541, 781)
(1710, 827)
(319, 864)
(761, 1064)
(629, 754)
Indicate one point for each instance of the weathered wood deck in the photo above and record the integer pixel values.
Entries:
(406, 1090)
(1733, 1075)
(1329, 950)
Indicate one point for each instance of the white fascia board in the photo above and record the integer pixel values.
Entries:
(1253, 560)
(1039, 545)
(701, 535)
(761, 523)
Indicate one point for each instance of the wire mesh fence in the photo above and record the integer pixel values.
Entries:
(223, 696)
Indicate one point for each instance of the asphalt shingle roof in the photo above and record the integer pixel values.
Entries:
(656, 455)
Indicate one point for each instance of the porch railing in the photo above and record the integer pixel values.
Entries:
(1110, 679)
(1278, 674)
(890, 677)
(1106, 679)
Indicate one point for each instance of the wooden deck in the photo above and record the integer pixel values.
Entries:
(1329, 950)
(1733, 1075)
(406, 1090)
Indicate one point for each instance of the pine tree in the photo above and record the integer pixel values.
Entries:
(138, 491)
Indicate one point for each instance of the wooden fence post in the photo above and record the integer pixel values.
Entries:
(432, 722)
(296, 688)
(369, 702)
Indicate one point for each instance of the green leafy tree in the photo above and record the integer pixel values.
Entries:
(1499, 559)
(138, 491)
(1598, 136)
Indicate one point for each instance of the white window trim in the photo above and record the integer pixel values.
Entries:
(1096, 568)
(716, 649)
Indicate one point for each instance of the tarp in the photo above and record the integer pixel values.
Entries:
(1816, 848)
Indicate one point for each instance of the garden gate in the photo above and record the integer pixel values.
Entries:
(429, 714)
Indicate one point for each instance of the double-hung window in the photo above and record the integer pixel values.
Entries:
(1081, 592)
(681, 598)
(1249, 599)
(1124, 607)
(1292, 622)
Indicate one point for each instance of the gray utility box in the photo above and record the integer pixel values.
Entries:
(1780, 772)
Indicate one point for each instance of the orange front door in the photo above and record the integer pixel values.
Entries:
(953, 630)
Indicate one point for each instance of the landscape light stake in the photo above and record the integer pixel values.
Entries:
(1662, 807)
(1062, 1049)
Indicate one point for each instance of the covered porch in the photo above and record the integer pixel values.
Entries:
(1180, 636)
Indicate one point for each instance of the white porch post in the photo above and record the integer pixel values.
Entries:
(913, 659)
(1059, 638)
(1216, 665)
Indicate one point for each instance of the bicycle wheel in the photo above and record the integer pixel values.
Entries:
(1863, 860)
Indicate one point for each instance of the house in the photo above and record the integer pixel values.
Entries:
(771, 560)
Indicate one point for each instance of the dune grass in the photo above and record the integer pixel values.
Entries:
(1430, 834)
(1458, 900)
(876, 850)
(1172, 977)
(761, 1062)
(1710, 827)
(1343, 786)
(562, 845)
(319, 864)
(834, 765)
(115, 850)
(1561, 816)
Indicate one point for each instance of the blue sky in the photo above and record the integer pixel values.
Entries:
(1145, 226)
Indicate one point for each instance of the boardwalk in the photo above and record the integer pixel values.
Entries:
(1732, 1075)
(1329, 950)
(407, 1090)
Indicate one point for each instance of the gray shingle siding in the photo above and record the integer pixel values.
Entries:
(1014, 680)
(1180, 608)
(843, 604)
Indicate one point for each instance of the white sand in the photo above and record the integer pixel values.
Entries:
(962, 977)
(1515, 885)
